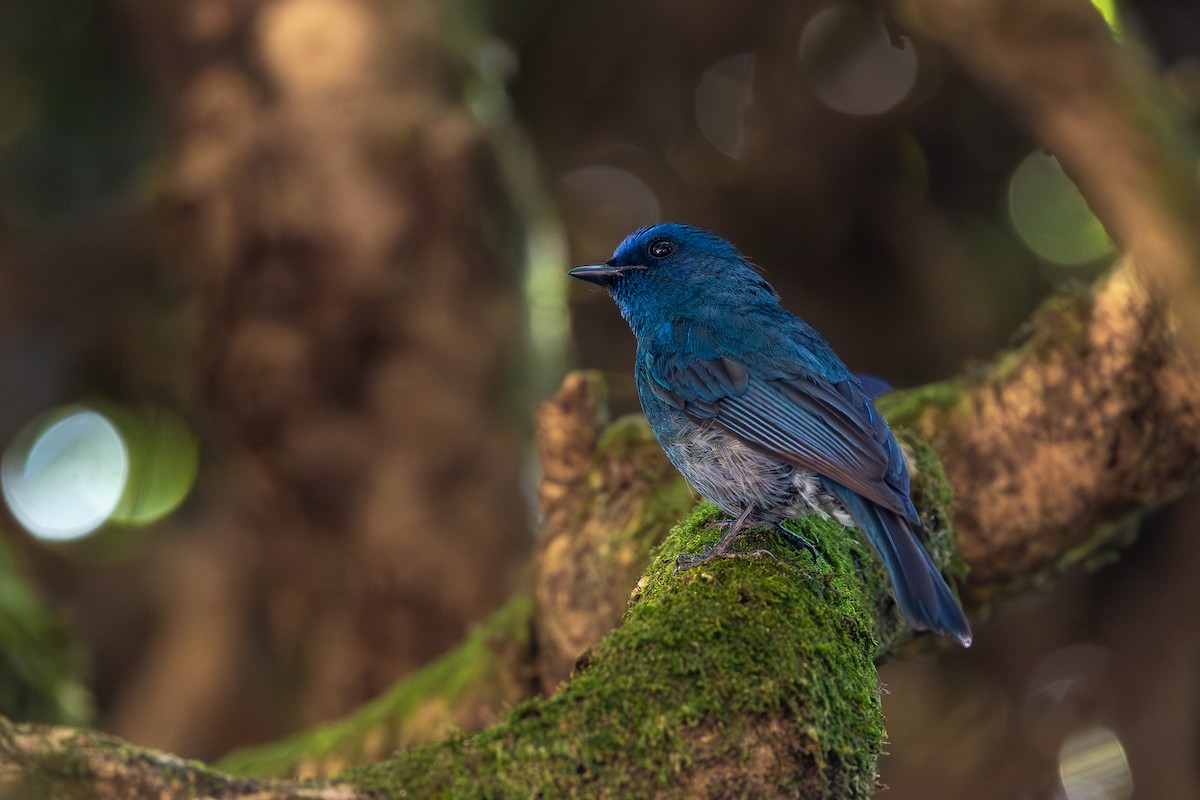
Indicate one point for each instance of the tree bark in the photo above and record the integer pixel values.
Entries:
(1058, 447)
(358, 273)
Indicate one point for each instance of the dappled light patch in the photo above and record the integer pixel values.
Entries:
(1093, 766)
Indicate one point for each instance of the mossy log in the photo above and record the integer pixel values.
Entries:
(747, 677)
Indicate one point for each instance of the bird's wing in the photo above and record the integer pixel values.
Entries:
(796, 416)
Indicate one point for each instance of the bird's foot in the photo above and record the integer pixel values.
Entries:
(686, 561)
(722, 549)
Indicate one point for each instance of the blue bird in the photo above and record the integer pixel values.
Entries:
(759, 414)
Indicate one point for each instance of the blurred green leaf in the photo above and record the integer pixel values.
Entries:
(40, 666)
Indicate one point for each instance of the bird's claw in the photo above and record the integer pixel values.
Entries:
(686, 561)
(723, 548)
(796, 540)
(759, 553)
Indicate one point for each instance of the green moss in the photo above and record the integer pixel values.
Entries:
(934, 496)
(629, 441)
(908, 406)
(394, 719)
(624, 434)
(710, 666)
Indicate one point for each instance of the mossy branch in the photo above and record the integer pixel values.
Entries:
(743, 678)
(1060, 444)
(54, 763)
(748, 677)
(754, 677)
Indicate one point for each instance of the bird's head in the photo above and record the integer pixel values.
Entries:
(667, 270)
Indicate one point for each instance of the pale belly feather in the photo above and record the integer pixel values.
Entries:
(732, 475)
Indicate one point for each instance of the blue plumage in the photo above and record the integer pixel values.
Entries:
(757, 411)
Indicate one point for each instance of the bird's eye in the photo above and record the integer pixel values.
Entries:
(661, 248)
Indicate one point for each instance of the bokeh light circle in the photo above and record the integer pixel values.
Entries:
(1092, 765)
(1050, 215)
(64, 474)
(164, 457)
(852, 63)
(605, 203)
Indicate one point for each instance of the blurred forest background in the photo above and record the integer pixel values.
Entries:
(282, 282)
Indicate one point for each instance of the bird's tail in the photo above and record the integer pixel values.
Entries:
(924, 598)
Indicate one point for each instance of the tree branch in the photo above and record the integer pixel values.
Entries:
(1091, 420)
(758, 676)
(40, 761)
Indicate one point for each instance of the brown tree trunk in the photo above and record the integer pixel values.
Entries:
(357, 318)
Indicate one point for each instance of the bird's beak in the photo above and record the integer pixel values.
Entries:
(601, 274)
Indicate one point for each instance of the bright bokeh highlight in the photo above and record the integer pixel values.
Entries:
(71, 471)
(546, 299)
(164, 457)
(64, 475)
(1092, 766)
(1050, 215)
(851, 62)
(1108, 10)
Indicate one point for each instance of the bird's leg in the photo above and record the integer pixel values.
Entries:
(723, 548)
(797, 540)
